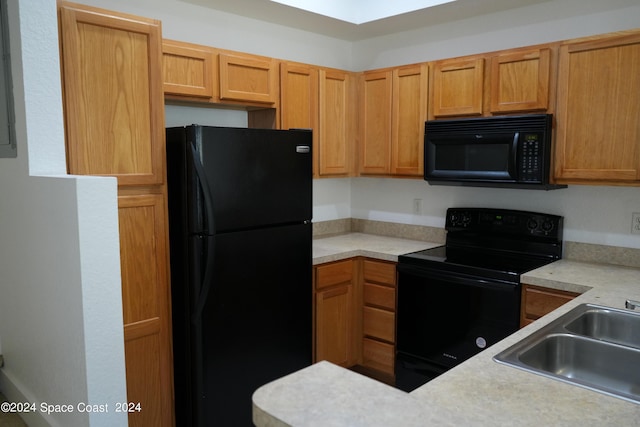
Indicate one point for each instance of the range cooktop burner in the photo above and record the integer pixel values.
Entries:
(501, 266)
(500, 244)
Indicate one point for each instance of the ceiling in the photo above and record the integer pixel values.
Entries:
(352, 24)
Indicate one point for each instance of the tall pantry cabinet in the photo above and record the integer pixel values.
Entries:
(114, 125)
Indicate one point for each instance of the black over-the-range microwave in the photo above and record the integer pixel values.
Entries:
(501, 151)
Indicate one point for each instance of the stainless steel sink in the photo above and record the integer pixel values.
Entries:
(591, 346)
(607, 324)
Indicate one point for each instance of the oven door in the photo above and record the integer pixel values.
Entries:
(444, 318)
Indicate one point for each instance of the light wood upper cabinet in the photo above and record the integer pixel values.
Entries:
(393, 109)
(409, 114)
(511, 81)
(189, 70)
(245, 77)
(520, 81)
(598, 111)
(206, 74)
(457, 87)
(338, 123)
(375, 115)
(299, 101)
(112, 89)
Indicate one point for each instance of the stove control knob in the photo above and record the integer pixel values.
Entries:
(532, 224)
(547, 226)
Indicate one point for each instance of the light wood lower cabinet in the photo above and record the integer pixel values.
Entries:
(538, 301)
(378, 315)
(355, 303)
(334, 312)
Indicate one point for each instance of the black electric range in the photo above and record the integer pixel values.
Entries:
(458, 299)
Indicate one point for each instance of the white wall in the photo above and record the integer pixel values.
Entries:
(539, 23)
(60, 298)
(599, 215)
(196, 24)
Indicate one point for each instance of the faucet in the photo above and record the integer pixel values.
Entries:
(631, 304)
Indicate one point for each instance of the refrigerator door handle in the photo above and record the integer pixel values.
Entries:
(209, 247)
(207, 279)
(206, 191)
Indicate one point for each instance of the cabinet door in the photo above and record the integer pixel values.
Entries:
(113, 97)
(145, 301)
(248, 78)
(188, 70)
(336, 120)
(536, 302)
(299, 100)
(334, 313)
(334, 324)
(520, 81)
(598, 131)
(409, 115)
(375, 127)
(457, 88)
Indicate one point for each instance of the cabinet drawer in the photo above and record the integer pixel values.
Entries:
(381, 296)
(378, 323)
(334, 274)
(379, 272)
(378, 355)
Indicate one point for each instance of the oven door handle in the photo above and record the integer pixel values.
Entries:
(458, 278)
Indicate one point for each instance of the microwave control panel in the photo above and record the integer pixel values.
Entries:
(530, 157)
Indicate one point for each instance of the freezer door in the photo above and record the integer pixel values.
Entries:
(254, 177)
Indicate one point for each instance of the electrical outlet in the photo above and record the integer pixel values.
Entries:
(417, 206)
(635, 223)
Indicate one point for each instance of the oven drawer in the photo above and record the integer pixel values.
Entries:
(378, 323)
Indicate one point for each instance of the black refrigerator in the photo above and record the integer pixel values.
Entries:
(240, 240)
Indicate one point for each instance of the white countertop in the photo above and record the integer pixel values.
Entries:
(350, 245)
(478, 392)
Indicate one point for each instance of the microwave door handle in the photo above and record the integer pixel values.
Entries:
(514, 158)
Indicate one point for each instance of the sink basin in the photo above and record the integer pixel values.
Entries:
(591, 346)
(597, 365)
(609, 325)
